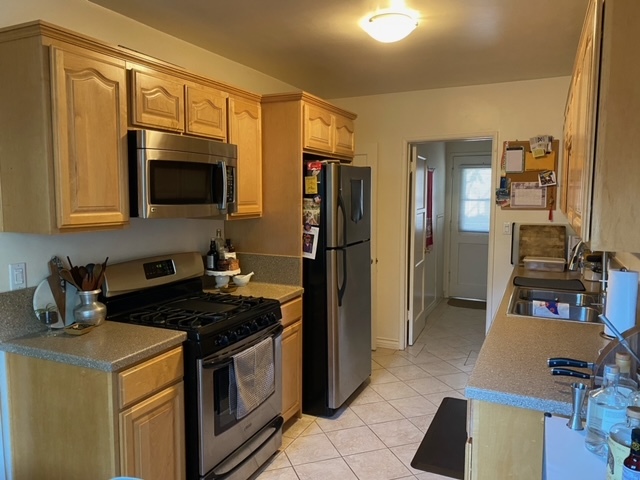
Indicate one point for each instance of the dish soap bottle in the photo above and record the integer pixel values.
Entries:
(606, 407)
(619, 443)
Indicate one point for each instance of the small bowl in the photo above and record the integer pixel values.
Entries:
(242, 280)
(222, 280)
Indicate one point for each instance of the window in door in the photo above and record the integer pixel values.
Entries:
(475, 199)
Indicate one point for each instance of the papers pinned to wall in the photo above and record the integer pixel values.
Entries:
(528, 195)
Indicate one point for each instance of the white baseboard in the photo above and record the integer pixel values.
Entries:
(390, 343)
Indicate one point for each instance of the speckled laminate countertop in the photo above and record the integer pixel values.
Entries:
(511, 368)
(114, 346)
(283, 293)
(110, 347)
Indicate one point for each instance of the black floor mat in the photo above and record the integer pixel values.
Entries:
(572, 284)
(442, 448)
(475, 304)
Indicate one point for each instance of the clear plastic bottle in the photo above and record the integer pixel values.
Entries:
(606, 407)
(620, 441)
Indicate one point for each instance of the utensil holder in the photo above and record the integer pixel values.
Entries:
(90, 310)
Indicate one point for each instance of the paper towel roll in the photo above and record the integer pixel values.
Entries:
(622, 299)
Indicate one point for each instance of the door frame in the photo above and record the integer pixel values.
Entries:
(371, 152)
(407, 142)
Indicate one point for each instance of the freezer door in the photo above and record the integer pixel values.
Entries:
(348, 209)
(349, 321)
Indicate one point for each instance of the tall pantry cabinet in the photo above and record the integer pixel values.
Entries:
(602, 118)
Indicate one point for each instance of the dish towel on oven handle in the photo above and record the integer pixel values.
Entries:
(251, 378)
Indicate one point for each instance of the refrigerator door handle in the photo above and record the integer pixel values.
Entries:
(357, 199)
(342, 242)
(342, 288)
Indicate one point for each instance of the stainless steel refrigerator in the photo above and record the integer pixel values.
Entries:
(336, 327)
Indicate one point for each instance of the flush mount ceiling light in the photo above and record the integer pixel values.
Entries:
(388, 27)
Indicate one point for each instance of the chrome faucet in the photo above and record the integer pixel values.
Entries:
(576, 258)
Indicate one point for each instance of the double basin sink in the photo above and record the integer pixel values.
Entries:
(583, 307)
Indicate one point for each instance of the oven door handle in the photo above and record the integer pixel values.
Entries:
(226, 356)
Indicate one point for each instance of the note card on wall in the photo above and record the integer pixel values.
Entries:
(514, 162)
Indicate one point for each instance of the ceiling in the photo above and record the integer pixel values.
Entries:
(319, 47)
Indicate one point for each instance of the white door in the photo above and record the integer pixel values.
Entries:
(367, 156)
(418, 284)
(469, 229)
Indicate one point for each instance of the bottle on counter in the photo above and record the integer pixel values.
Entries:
(606, 406)
(620, 441)
(212, 256)
(627, 385)
(220, 243)
(631, 465)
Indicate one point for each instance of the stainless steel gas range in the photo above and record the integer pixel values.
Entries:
(233, 360)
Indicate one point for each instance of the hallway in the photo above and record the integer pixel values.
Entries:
(375, 435)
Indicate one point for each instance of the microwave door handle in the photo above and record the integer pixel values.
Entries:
(222, 205)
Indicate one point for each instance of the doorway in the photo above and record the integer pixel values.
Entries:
(429, 266)
(469, 226)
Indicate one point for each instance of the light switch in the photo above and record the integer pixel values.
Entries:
(17, 276)
(506, 228)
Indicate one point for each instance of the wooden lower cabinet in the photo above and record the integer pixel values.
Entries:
(292, 359)
(152, 436)
(504, 442)
(74, 422)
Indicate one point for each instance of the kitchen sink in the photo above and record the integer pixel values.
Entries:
(583, 307)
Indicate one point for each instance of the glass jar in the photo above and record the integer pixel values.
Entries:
(90, 310)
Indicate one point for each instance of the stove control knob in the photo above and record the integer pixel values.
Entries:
(263, 321)
(243, 331)
(273, 318)
(232, 337)
(221, 341)
(253, 326)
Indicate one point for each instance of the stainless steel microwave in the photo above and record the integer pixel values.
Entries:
(174, 176)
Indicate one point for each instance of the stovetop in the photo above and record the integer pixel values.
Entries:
(205, 314)
(166, 292)
(211, 321)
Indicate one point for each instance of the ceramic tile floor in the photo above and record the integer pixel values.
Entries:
(376, 433)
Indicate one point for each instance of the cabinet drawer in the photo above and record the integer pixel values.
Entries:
(291, 312)
(149, 377)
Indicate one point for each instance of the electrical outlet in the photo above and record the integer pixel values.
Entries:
(17, 276)
(506, 228)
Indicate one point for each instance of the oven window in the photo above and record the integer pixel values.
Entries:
(181, 183)
(224, 417)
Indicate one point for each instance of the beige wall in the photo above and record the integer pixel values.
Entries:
(510, 111)
(144, 237)
(89, 19)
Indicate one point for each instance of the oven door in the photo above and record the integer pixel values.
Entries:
(223, 429)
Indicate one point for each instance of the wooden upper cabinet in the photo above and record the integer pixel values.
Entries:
(90, 152)
(327, 131)
(245, 131)
(579, 128)
(157, 101)
(319, 128)
(63, 130)
(206, 112)
(345, 139)
(601, 122)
